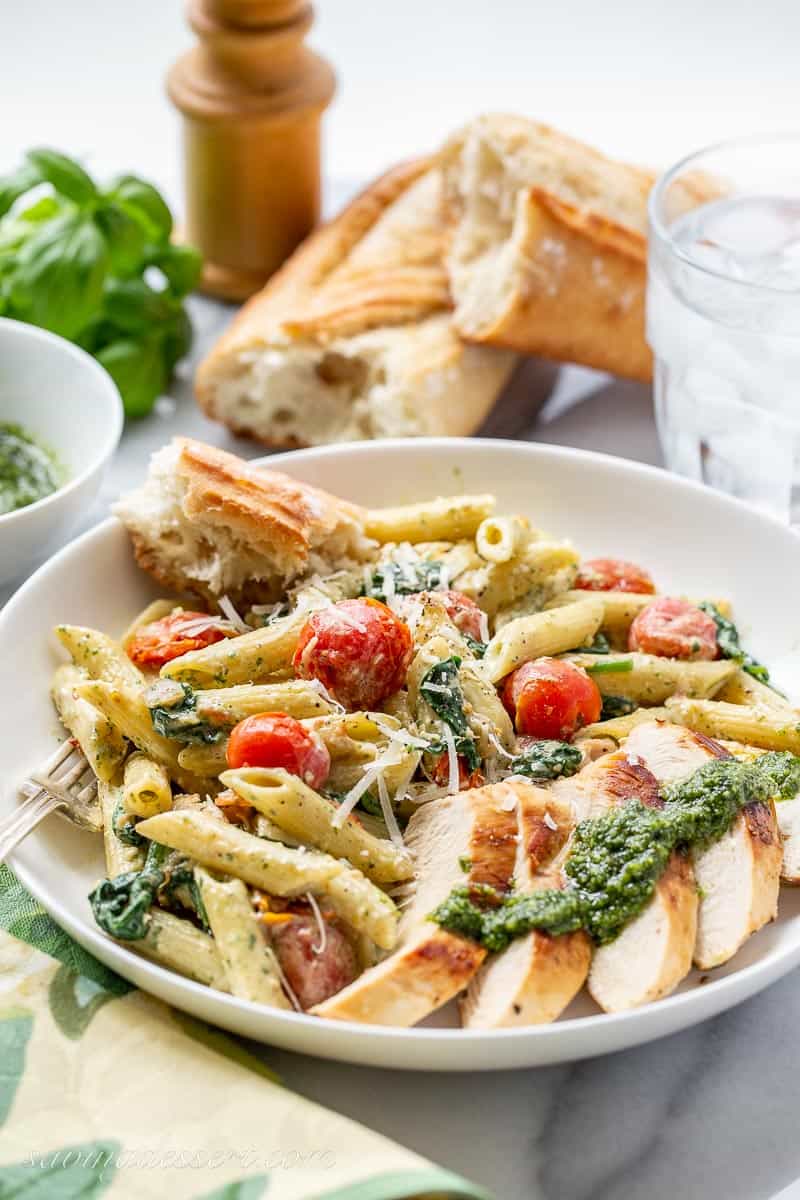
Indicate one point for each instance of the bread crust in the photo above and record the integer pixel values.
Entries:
(563, 276)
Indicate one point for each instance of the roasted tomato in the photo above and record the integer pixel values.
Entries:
(161, 641)
(358, 649)
(440, 773)
(549, 698)
(674, 628)
(277, 740)
(463, 612)
(314, 969)
(613, 575)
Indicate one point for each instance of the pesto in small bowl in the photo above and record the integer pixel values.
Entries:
(28, 470)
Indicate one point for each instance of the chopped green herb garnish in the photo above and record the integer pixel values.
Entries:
(613, 667)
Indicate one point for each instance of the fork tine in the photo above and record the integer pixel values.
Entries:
(67, 747)
(65, 779)
(26, 818)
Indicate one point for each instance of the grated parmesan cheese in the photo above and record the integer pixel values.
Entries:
(226, 607)
(388, 813)
(323, 932)
(454, 780)
(549, 822)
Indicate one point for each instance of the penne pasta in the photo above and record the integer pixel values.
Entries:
(649, 679)
(550, 632)
(249, 962)
(499, 539)
(99, 655)
(306, 815)
(618, 728)
(130, 717)
(619, 610)
(121, 857)
(180, 946)
(742, 688)
(277, 868)
(145, 789)
(249, 658)
(103, 744)
(497, 585)
(227, 706)
(447, 518)
(744, 723)
(155, 611)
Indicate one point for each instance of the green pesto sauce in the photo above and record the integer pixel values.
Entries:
(28, 472)
(616, 860)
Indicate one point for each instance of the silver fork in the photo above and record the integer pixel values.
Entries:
(65, 781)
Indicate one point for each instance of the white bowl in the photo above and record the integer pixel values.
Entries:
(70, 404)
(694, 540)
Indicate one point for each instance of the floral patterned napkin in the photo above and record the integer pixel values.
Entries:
(107, 1092)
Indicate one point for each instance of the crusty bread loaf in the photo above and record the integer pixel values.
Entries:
(547, 250)
(206, 522)
(352, 338)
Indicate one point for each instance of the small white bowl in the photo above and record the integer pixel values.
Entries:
(65, 399)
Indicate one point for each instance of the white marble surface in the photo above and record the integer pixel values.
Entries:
(707, 1113)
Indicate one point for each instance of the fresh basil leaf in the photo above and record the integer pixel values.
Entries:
(181, 266)
(17, 184)
(59, 275)
(67, 176)
(477, 648)
(134, 307)
(125, 237)
(145, 204)
(177, 339)
(441, 689)
(43, 209)
(137, 368)
(547, 759)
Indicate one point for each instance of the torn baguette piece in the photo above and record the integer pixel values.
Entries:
(547, 253)
(536, 977)
(207, 522)
(352, 339)
(476, 830)
(738, 877)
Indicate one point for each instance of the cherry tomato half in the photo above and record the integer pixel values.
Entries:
(159, 642)
(277, 740)
(549, 698)
(613, 575)
(463, 612)
(358, 649)
(674, 628)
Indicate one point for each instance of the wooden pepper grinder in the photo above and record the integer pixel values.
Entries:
(252, 95)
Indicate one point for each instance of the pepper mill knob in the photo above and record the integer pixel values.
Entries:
(252, 95)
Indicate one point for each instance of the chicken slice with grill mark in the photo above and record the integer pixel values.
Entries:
(738, 877)
(654, 951)
(475, 829)
(536, 977)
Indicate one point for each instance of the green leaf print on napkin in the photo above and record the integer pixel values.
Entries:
(74, 1000)
(243, 1189)
(16, 1025)
(24, 918)
(223, 1044)
(80, 1172)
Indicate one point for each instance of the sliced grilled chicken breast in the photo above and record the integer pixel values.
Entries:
(788, 814)
(467, 838)
(738, 877)
(654, 951)
(535, 978)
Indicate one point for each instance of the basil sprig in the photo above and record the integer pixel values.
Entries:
(96, 265)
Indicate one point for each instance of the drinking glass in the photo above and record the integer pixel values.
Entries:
(723, 319)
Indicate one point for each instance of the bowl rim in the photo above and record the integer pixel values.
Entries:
(644, 1024)
(112, 400)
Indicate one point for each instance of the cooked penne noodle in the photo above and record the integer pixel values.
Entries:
(99, 655)
(497, 585)
(249, 658)
(99, 739)
(180, 946)
(356, 740)
(121, 857)
(742, 688)
(447, 518)
(744, 723)
(550, 632)
(650, 679)
(204, 758)
(306, 815)
(488, 717)
(618, 728)
(130, 716)
(145, 788)
(498, 539)
(249, 962)
(277, 868)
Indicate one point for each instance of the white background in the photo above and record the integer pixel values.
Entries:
(643, 79)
